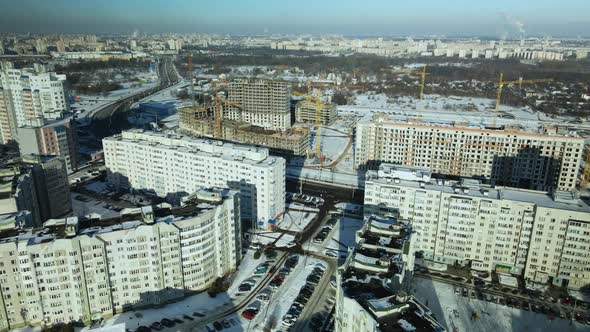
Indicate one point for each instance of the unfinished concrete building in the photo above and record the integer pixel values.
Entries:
(294, 141)
(513, 157)
(263, 103)
(306, 111)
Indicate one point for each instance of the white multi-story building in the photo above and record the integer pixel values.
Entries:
(522, 232)
(27, 97)
(173, 164)
(372, 284)
(264, 103)
(83, 270)
(538, 161)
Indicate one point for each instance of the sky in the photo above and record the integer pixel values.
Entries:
(493, 18)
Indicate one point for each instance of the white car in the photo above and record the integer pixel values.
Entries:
(331, 253)
(288, 322)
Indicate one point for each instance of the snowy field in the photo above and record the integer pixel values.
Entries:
(436, 108)
(455, 312)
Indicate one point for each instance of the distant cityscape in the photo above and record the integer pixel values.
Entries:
(208, 182)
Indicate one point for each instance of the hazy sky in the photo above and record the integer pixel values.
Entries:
(350, 17)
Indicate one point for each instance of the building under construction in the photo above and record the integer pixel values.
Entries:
(306, 111)
(294, 141)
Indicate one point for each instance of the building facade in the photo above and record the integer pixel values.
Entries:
(306, 111)
(84, 270)
(537, 161)
(51, 185)
(28, 96)
(507, 230)
(57, 137)
(37, 184)
(373, 283)
(263, 103)
(294, 141)
(171, 165)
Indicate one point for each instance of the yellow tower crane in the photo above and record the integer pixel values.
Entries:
(422, 74)
(319, 106)
(520, 82)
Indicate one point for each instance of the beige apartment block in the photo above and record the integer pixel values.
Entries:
(542, 236)
(538, 161)
(263, 103)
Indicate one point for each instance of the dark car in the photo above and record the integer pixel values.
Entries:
(217, 325)
(156, 326)
(167, 322)
(226, 324)
(143, 329)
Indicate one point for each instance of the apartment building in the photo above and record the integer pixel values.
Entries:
(307, 111)
(83, 270)
(174, 165)
(55, 137)
(293, 141)
(27, 97)
(37, 184)
(17, 193)
(263, 103)
(507, 230)
(51, 185)
(538, 161)
(372, 284)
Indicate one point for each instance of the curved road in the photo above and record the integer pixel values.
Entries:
(111, 118)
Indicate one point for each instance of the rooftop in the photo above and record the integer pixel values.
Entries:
(389, 174)
(199, 146)
(506, 127)
(129, 219)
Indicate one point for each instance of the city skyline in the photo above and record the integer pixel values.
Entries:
(500, 19)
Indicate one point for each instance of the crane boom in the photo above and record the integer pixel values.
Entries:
(520, 81)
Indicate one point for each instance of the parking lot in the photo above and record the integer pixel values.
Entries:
(470, 308)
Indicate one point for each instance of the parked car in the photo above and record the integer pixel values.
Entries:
(249, 313)
(218, 326)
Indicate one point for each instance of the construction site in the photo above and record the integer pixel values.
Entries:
(293, 141)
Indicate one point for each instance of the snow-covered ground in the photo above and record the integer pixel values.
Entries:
(83, 208)
(296, 220)
(436, 108)
(455, 312)
(201, 303)
(279, 239)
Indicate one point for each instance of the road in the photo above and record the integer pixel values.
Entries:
(200, 325)
(112, 118)
(304, 239)
(317, 302)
